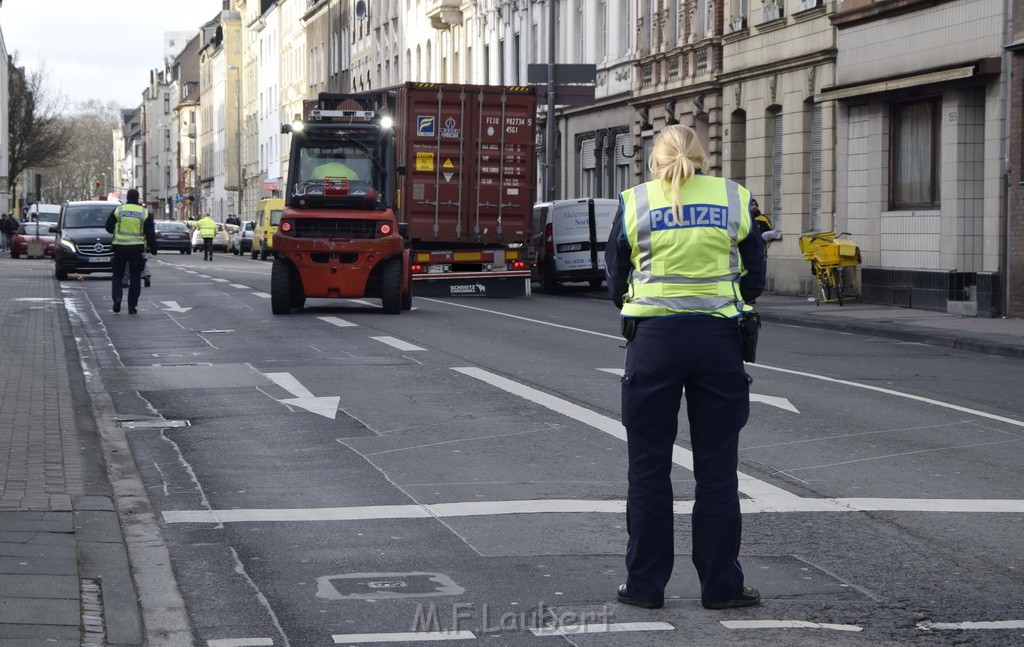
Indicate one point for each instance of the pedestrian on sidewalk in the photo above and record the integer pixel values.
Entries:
(684, 261)
(7, 228)
(207, 230)
(133, 230)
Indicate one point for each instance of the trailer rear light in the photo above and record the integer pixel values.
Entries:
(385, 229)
(519, 265)
(549, 240)
(286, 226)
(418, 269)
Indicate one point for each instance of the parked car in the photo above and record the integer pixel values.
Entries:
(83, 246)
(241, 241)
(30, 234)
(220, 240)
(173, 235)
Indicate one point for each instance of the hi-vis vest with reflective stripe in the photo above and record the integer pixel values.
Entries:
(128, 230)
(207, 227)
(686, 261)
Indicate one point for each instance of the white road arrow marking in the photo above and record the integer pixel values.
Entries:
(172, 306)
(770, 400)
(326, 406)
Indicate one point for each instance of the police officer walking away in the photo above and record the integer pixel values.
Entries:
(684, 262)
(133, 229)
(208, 231)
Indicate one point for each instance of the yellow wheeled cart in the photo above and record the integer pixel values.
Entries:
(829, 253)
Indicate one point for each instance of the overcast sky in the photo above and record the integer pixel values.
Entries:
(98, 49)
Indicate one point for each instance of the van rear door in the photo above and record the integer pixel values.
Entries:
(572, 235)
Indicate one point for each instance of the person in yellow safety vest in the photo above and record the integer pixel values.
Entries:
(208, 231)
(334, 170)
(133, 230)
(684, 260)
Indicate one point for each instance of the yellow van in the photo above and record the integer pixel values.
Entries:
(268, 217)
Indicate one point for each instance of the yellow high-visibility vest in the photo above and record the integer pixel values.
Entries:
(129, 230)
(686, 261)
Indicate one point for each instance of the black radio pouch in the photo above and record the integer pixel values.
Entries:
(629, 325)
(750, 324)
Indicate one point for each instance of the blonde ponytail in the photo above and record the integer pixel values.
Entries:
(677, 155)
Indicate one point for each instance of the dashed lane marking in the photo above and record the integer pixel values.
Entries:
(601, 628)
(335, 321)
(994, 624)
(240, 286)
(536, 321)
(240, 642)
(408, 636)
(221, 280)
(398, 343)
(262, 295)
(786, 624)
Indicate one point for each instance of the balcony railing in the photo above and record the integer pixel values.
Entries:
(444, 13)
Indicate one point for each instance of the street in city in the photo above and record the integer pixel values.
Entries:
(457, 473)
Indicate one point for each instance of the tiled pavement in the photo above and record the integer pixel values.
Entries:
(64, 572)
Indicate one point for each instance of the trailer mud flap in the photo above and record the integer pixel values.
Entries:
(471, 287)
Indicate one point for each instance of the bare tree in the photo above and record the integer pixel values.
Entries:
(91, 159)
(40, 137)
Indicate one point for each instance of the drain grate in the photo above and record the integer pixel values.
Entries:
(152, 424)
(92, 614)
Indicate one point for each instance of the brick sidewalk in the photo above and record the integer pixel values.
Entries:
(60, 538)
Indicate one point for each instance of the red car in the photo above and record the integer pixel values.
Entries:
(28, 234)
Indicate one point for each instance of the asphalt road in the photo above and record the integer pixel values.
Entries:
(457, 473)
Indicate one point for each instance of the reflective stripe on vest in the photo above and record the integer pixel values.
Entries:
(128, 230)
(207, 227)
(678, 254)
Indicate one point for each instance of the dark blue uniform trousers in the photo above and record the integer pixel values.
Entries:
(132, 256)
(701, 353)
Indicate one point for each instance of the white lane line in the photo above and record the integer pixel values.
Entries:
(601, 628)
(240, 642)
(221, 280)
(409, 636)
(262, 295)
(770, 400)
(786, 624)
(579, 506)
(240, 286)
(340, 323)
(397, 343)
(536, 321)
(203, 276)
(899, 394)
(994, 624)
(752, 487)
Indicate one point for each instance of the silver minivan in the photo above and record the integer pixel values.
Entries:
(569, 237)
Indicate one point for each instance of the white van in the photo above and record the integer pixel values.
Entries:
(569, 237)
(42, 212)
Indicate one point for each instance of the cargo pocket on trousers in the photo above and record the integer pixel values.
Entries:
(627, 381)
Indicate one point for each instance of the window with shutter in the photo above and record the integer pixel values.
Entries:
(816, 167)
(776, 213)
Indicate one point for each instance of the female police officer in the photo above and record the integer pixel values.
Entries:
(684, 261)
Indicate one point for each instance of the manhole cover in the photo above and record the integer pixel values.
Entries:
(378, 586)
